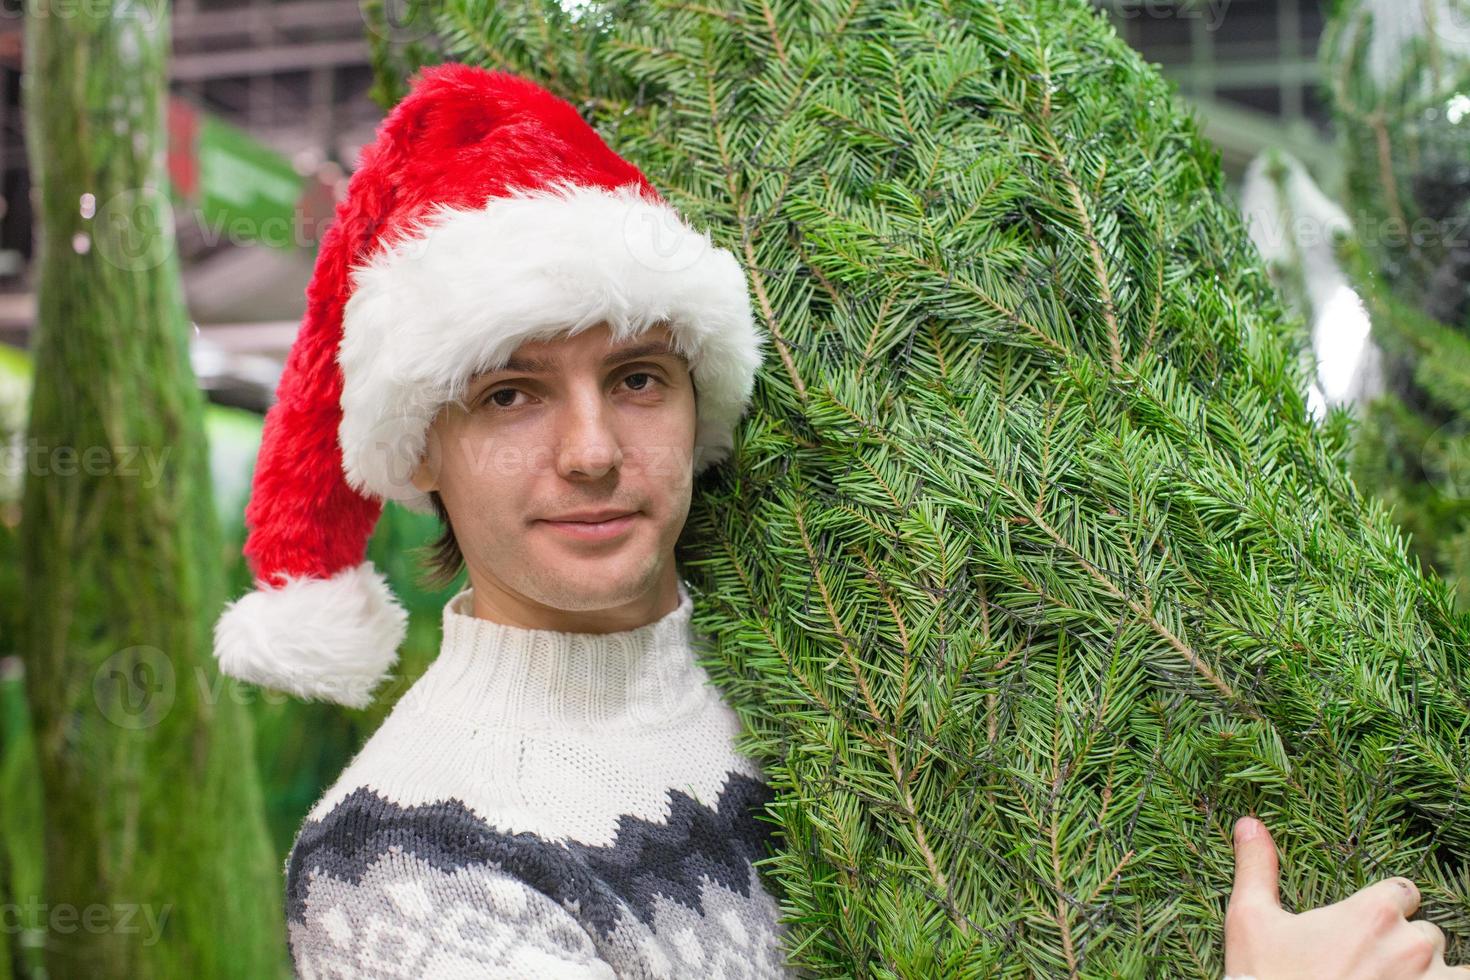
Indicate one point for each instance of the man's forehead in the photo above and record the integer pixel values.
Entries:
(544, 356)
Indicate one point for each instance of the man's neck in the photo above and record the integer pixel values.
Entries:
(498, 603)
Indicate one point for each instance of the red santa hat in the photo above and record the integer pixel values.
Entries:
(485, 213)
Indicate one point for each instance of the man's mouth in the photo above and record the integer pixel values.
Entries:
(594, 530)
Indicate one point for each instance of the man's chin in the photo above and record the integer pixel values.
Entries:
(587, 583)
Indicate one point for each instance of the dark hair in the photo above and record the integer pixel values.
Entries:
(443, 561)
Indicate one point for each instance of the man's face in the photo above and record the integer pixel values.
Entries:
(570, 425)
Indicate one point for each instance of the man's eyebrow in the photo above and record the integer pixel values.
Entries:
(653, 348)
(540, 365)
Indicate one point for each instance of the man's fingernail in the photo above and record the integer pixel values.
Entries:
(1245, 829)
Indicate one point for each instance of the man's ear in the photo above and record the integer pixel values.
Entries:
(423, 476)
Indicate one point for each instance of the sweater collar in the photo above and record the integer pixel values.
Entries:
(513, 677)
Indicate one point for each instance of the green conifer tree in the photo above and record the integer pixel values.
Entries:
(157, 862)
(1398, 75)
(1031, 571)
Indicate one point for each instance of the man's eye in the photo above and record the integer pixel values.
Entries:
(643, 374)
(496, 394)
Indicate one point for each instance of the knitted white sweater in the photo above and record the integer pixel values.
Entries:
(542, 804)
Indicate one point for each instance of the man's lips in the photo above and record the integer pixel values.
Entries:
(594, 530)
(590, 516)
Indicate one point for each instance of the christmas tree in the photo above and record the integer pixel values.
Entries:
(1399, 80)
(1032, 571)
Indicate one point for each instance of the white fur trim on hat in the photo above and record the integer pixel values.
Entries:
(463, 289)
(333, 639)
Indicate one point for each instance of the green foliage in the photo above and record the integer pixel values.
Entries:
(1399, 79)
(1398, 76)
(1031, 572)
(1413, 448)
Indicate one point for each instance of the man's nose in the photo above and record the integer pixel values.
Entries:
(587, 439)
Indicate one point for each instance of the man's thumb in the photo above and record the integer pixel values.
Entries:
(1256, 870)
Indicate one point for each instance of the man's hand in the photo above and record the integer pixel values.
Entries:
(1366, 936)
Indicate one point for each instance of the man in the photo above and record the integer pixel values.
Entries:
(534, 346)
(506, 322)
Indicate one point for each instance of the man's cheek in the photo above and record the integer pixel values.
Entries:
(664, 461)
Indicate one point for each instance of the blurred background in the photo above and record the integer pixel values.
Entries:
(1332, 122)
